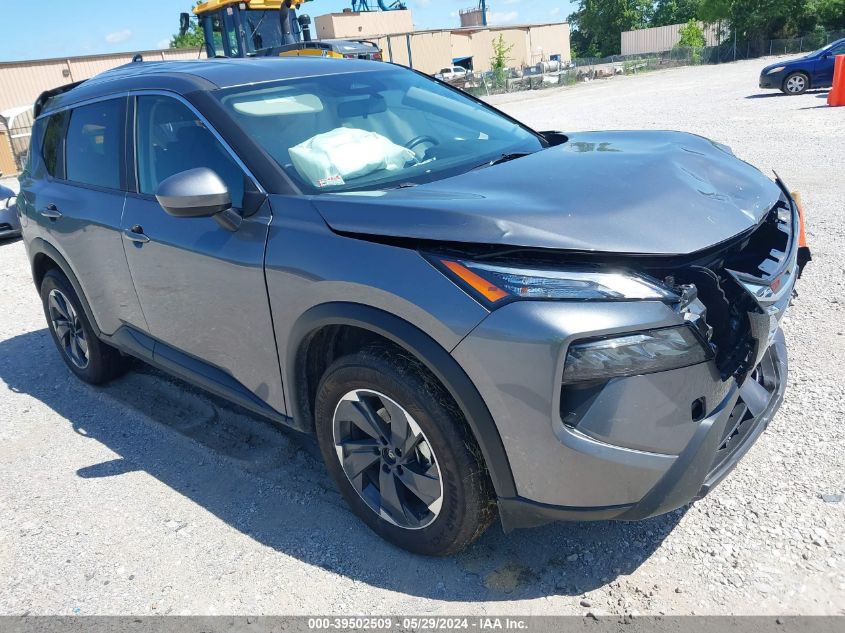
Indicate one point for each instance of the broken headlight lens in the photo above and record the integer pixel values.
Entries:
(634, 354)
(496, 283)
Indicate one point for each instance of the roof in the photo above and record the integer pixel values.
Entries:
(272, 5)
(184, 77)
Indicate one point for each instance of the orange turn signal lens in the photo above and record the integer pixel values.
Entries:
(483, 287)
(802, 236)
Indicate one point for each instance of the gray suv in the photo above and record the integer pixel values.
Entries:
(473, 317)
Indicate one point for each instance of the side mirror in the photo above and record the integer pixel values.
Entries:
(195, 193)
(184, 23)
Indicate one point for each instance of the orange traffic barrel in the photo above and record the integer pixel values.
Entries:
(836, 96)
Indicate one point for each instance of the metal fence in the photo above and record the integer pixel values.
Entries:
(15, 132)
(588, 69)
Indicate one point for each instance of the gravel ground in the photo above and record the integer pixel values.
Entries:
(148, 496)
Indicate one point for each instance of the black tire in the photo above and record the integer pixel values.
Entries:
(795, 84)
(466, 507)
(101, 361)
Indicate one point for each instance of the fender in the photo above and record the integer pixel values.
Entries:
(39, 246)
(423, 347)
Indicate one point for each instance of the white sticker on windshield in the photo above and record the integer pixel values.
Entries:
(331, 181)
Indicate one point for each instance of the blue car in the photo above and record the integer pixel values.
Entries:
(796, 76)
(10, 225)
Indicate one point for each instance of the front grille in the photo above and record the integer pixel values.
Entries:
(735, 426)
(745, 288)
(756, 396)
(5, 227)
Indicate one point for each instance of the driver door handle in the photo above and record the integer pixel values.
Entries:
(51, 211)
(136, 234)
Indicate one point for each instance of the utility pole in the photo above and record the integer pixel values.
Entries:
(484, 12)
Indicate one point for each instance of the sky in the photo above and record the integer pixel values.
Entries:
(58, 28)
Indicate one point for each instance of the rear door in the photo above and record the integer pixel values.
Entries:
(201, 284)
(78, 201)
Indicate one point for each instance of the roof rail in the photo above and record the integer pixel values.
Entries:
(45, 96)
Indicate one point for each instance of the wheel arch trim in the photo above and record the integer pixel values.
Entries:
(406, 335)
(39, 246)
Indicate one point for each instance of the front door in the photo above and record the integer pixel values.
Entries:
(823, 71)
(201, 284)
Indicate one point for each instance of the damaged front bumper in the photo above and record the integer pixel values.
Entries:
(718, 444)
(640, 445)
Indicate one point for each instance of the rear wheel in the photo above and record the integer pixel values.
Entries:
(796, 84)
(87, 356)
(401, 453)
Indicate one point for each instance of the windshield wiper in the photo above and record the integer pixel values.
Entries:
(503, 159)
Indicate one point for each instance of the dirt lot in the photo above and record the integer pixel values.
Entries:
(149, 497)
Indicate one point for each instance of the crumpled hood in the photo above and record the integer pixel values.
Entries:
(616, 192)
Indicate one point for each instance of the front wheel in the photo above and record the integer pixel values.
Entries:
(401, 453)
(796, 84)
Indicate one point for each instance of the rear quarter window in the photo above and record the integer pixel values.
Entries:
(94, 144)
(52, 147)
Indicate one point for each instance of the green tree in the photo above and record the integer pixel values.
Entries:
(830, 14)
(598, 24)
(674, 11)
(692, 40)
(500, 59)
(760, 19)
(194, 38)
(692, 36)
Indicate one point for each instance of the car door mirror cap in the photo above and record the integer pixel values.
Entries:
(195, 193)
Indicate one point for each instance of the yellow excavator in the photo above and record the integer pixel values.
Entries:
(260, 28)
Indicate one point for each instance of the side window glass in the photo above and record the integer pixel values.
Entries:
(170, 139)
(94, 144)
(217, 35)
(51, 148)
(231, 34)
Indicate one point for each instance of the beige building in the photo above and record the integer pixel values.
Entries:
(351, 24)
(664, 38)
(22, 82)
(431, 50)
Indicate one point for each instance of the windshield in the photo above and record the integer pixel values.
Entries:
(373, 130)
(262, 29)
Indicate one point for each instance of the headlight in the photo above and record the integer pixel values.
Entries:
(774, 71)
(498, 283)
(634, 354)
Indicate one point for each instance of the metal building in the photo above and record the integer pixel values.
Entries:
(664, 38)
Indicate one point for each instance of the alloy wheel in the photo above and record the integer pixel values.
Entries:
(387, 459)
(796, 84)
(68, 328)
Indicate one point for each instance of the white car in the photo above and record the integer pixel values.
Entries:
(451, 73)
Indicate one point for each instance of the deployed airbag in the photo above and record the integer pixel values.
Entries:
(331, 158)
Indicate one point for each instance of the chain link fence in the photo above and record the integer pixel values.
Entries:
(554, 74)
